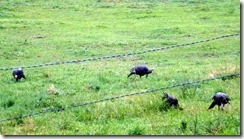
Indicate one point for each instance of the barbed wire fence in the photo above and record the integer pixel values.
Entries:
(55, 110)
(124, 95)
(122, 55)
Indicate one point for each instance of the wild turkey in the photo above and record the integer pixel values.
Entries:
(140, 70)
(219, 99)
(171, 101)
(18, 74)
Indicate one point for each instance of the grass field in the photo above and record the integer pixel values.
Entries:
(34, 32)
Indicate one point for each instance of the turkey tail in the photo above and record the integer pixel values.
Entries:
(180, 108)
(212, 105)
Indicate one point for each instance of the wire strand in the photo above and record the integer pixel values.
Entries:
(121, 55)
(224, 77)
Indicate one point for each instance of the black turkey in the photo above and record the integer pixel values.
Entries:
(18, 74)
(171, 101)
(140, 70)
(219, 99)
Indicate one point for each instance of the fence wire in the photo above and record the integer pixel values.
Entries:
(121, 55)
(224, 77)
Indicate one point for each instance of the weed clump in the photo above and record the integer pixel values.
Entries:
(8, 104)
(136, 131)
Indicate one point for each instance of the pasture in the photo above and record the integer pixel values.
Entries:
(34, 32)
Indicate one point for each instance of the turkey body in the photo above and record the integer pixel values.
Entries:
(140, 70)
(18, 74)
(172, 101)
(219, 99)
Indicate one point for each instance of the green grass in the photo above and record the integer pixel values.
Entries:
(35, 32)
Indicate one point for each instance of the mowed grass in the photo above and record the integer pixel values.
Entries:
(37, 32)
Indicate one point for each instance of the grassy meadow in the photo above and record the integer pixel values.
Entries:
(34, 32)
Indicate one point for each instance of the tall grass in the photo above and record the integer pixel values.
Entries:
(36, 32)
